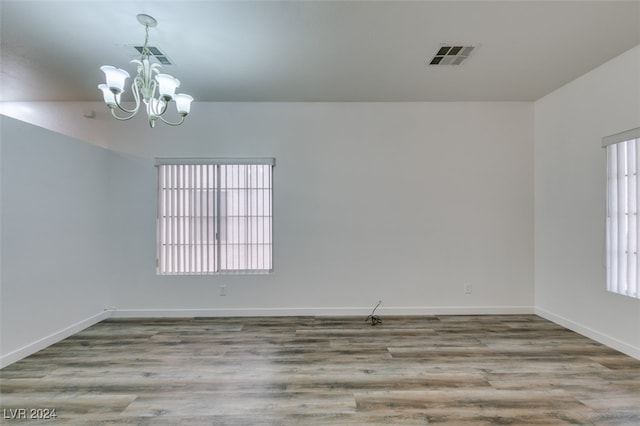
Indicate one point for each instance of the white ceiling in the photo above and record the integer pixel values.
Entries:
(315, 50)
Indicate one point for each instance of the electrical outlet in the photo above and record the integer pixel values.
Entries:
(223, 290)
(467, 288)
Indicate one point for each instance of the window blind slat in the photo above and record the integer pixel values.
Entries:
(170, 212)
(190, 220)
(159, 222)
(172, 219)
(622, 219)
(218, 209)
(179, 217)
(237, 259)
(612, 219)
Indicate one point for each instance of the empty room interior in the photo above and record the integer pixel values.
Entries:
(372, 212)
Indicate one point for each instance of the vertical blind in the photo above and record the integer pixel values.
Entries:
(622, 232)
(214, 216)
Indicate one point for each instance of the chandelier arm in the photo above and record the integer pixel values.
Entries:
(136, 96)
(130, 116)
(170, 123)
(153, 105)
(164, 108)
(128, 111)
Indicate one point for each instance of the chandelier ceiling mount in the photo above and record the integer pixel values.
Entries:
(147, 20)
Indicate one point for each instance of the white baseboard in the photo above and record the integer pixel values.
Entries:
(616, 344)
(342, 312)
(40, 344)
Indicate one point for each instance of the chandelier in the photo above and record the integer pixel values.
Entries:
(144, 86)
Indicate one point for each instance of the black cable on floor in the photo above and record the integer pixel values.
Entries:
(374, 318)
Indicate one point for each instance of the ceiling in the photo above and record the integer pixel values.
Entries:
(314, 50)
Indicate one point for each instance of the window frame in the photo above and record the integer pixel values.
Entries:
(189, 199)
(622, 224)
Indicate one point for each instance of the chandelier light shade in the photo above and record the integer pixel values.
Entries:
(149, 86)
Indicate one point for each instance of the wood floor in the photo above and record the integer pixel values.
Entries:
(458, 370)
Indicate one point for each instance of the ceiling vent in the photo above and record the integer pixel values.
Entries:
(157, 54)
(451, 55)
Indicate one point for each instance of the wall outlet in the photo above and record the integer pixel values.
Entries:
(467, 288)
(223, 290)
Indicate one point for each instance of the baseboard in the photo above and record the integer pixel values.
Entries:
(342, 312)
(40, 344)
(616, 344)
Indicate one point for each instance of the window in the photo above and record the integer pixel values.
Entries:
(623, 263)
(214, 216)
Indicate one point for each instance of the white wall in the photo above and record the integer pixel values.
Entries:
(570, 199)
(400, 202)
(54, 274)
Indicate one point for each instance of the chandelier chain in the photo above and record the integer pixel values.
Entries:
(145, 49)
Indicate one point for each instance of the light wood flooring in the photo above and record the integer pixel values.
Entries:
(458, 370)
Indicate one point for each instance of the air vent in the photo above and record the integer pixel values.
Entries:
(157, 54)
(451, 55)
